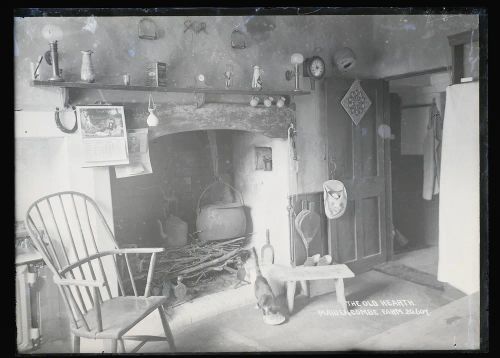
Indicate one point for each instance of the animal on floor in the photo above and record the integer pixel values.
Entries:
(263, 292)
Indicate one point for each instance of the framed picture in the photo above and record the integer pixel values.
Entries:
(103, 135)
(264, 158)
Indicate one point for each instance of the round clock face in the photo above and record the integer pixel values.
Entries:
(317, 67)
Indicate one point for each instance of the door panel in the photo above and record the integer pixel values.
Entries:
(371, 242)
(356, 157)
(345, 250)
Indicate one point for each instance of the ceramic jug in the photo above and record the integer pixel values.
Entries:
(87, 73)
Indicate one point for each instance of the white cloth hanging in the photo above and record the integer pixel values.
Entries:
(459, 197)
(432, 153)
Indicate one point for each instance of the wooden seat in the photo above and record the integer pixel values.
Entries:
(291, 275)
(119, 315)
(74, 240)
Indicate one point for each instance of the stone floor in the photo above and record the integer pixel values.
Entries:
(423, 259)
(312, 325)
(309, 328)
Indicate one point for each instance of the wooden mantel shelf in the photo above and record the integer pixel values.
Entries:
(103, 86)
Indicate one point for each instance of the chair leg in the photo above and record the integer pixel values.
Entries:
(76, 344)
(166, 328)
(114, 346)
(122, 345)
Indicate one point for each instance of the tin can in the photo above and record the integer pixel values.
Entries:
(156, 74)
(257, 78)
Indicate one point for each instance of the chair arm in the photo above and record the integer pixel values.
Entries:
(139, 250)
(70, 282)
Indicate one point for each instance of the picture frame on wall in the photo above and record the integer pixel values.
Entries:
(103, 135)
(263, 158)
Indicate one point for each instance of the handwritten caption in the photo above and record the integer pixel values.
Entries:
(377, 308)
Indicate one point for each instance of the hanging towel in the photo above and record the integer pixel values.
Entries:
(432, 153)
(459, 196)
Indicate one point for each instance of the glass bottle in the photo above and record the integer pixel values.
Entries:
(267, 251)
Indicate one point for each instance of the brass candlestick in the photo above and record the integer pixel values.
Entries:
(55, 62)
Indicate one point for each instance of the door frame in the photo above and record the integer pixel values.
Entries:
(386, 119)
(384, 111)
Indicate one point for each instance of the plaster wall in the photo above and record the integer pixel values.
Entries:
(47, 161)
(410, 43)
(264, 192)
(117, 49)
(311, 143)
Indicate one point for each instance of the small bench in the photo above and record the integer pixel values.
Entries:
(291, 275)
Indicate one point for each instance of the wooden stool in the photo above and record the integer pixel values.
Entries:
(291, 275)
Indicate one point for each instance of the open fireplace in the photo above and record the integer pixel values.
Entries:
(212, 195)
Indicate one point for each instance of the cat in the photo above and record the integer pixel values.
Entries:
(263, 292)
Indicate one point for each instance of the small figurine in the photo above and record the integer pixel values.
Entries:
(257, 78)
(228, 74)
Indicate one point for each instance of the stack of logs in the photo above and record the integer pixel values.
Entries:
(192, 262)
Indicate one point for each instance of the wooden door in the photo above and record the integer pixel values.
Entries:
(356, 157)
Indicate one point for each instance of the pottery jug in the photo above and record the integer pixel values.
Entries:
(87, 73)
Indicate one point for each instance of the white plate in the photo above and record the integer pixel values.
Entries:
(274, 319)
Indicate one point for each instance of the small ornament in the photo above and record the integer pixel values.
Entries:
(152, 119)
(199, 81)
(280, 102)
(254, 101)
(356, 102)
(344, 59)
(87, 73)
(126, 79)
(257, 78)
(228, 74)
(296, 60)
(238, 39)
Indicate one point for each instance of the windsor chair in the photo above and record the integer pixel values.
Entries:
(76, 243)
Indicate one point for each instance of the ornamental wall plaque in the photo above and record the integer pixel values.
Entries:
(356, 102)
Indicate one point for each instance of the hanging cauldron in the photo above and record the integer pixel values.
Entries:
(220, 221)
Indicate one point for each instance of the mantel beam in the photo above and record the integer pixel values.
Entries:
(272, 122)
